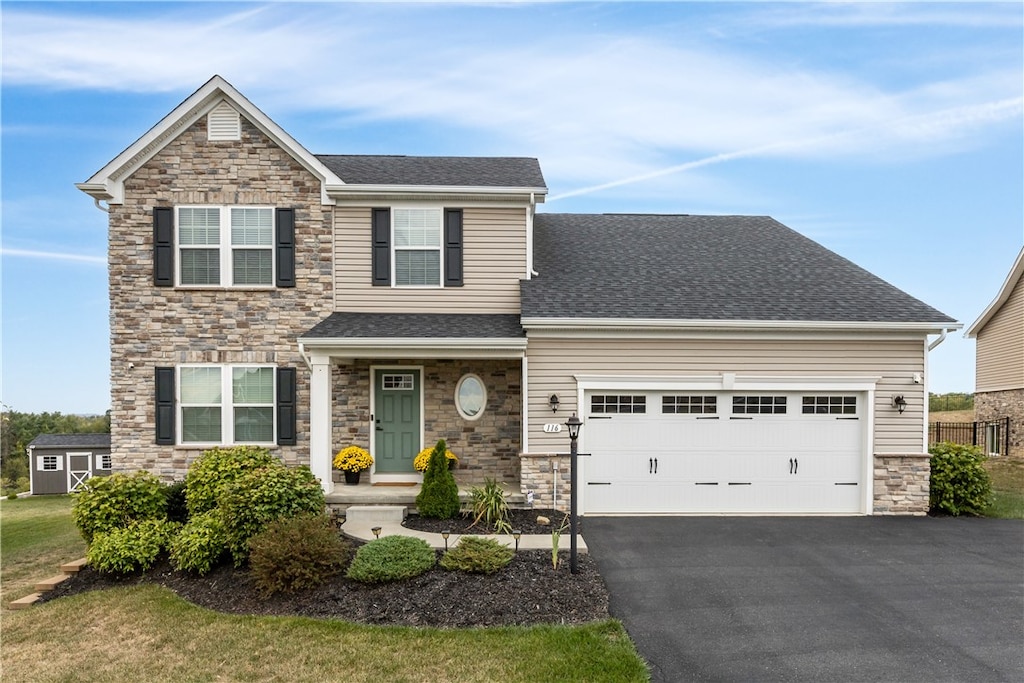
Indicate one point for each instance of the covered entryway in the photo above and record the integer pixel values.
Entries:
(724, 452)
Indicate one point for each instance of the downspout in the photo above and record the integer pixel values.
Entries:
(531, 211)
(305, 358)
(96, 201)
(942, 338)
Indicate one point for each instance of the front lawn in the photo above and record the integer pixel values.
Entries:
(36, 537)
(1007, 487)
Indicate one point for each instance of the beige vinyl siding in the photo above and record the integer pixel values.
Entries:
(554, 362)
(494, 262)
(1000, 346)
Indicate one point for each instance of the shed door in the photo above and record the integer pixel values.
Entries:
(79, 469)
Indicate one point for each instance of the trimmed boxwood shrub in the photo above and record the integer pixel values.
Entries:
(104, 504)
(477, 555)
(296, 553)
(439, 495)
(216, 469)
(959, 481)
(391, 558)
(262, 496)
(201, 544)
(135, 547)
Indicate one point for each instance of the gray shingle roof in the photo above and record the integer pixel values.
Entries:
(439, 171)
(72, 440)
(719, 268)
(416, 326)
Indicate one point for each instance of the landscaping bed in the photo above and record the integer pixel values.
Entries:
(528, 591)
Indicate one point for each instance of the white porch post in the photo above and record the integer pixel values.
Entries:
(320, 420)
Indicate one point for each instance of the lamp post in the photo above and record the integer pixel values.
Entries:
(574, 424)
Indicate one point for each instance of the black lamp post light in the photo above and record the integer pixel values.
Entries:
(445, 533)
(376, 531)
(574, 424)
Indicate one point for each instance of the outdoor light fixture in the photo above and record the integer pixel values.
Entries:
(574, 424)
(376, 531)
(516, 533)
(553, 402)
(899, 403)
(445, 533)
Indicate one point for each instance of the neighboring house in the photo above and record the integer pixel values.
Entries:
(999, 362)
(721, 364)
(60, 463)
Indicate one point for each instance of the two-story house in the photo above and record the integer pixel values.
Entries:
(721, 364)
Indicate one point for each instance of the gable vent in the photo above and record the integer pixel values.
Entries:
(224, 123)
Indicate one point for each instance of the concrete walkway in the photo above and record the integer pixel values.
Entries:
(360, 520)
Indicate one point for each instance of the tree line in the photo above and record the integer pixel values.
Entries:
(17, 430)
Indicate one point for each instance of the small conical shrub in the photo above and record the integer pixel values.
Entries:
(439, 496)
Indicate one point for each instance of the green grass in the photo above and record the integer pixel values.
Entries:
(1007, 487)
(147, 633)
(36, 537)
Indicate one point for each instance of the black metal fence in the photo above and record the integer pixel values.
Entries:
(993, 435)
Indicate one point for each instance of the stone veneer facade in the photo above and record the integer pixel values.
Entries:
(998, 405)
(487, 447)
(901, 484)
(164, 326)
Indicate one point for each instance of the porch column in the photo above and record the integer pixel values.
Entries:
(320, 420)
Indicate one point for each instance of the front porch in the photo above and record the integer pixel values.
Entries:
(366, 493)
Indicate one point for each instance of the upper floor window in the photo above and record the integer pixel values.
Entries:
(228, 246)
(416, 247)
(223, 246)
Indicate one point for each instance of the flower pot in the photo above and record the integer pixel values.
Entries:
(352, 478)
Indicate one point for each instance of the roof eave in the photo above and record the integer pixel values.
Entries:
(1004, 294)
(346, 191)
(404, 347)
(657, 324)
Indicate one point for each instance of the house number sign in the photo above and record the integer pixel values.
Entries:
(552, 428)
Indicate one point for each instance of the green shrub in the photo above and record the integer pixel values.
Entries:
(218, 468)
(477, 555)
(488, 505)
(296, 553)
(177, 508)
(391, 558)
(959, 482)
(262, 496)
(439, 495)
(201, 545)
(135, 547)
(104, 504)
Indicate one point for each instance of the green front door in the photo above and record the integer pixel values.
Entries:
(396, 420)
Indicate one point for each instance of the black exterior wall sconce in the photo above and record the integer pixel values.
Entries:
(899, 403)
(554, 402)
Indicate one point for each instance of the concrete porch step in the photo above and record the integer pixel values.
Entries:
(375, 514)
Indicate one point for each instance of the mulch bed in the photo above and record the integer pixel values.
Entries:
(527, 591)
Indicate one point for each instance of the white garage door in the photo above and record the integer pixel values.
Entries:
(723, 452)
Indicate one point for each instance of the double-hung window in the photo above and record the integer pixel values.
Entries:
(417, 247)
(226, 246)
(226, 404)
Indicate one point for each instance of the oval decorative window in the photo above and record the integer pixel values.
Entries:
(470, 397)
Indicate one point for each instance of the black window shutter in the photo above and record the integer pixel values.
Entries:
(163, 246)
(286, 407)
(453, 247)
(285, 244)
(381, 246)
(165, 406)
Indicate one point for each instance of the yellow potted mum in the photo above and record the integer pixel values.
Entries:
(352, 460)
(423, 458)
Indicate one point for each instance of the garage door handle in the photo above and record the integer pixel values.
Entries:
(655, 465)
(650, 465)
(794, 465)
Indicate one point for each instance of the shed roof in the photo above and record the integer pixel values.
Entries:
(72, 441)
(702, 268)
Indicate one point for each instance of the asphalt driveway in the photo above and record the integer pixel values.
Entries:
(817, 599)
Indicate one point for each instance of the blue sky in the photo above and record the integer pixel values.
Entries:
(891, 133)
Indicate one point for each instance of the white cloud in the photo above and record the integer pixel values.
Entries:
(53, 256)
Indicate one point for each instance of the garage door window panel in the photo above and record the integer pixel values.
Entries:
(829, 405)
(618, 404)
(689, 405)
(759, 405)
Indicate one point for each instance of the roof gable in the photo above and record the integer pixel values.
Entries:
(1001, 298)
(107, 184)
(723, 269)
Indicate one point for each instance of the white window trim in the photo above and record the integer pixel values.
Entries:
(57, 459)
(104, 457)
(225, 248)
(227, 413)
(394, 248)
(458, 403)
